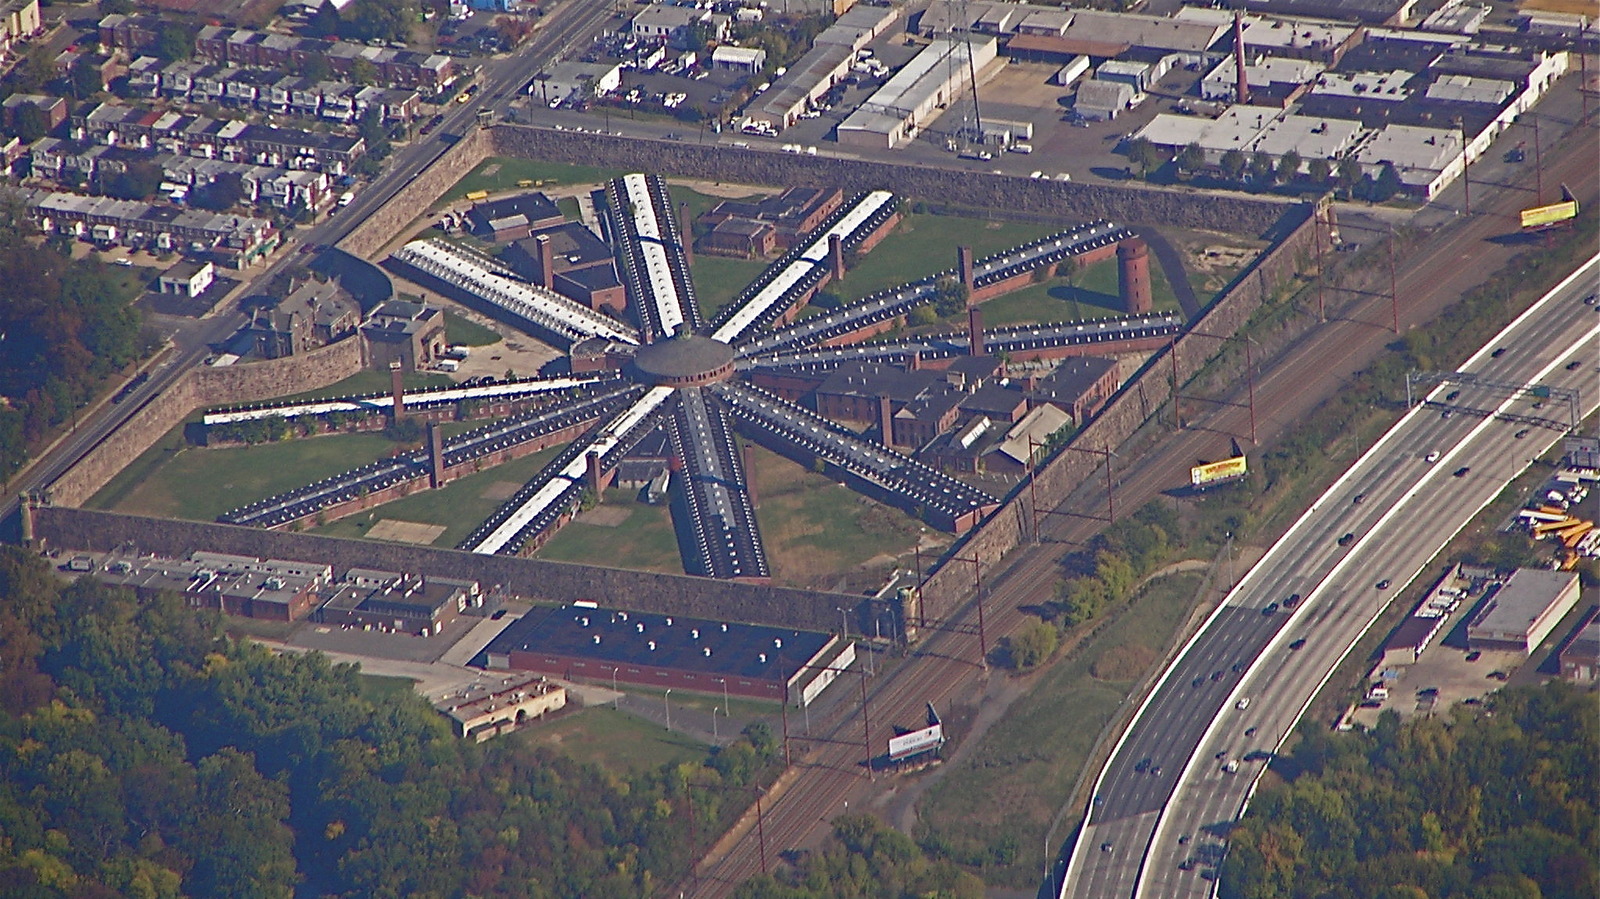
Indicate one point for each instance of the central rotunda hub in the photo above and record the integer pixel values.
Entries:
(688, 361)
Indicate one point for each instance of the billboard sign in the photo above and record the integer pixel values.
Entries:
(1217, 472)
(916, 741)
(1554, 214)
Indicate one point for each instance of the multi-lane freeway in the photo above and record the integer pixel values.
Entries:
(1162, 803)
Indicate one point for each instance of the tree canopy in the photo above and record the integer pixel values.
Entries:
(145, 754)
(1497, 803)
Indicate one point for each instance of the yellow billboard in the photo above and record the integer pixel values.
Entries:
(1540, 216)
(1217, 472)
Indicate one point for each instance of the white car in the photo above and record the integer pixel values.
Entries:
(1431, 457)
(1243, 704)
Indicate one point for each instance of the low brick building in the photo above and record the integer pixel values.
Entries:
(488, 708)
(1079, 386)
(412, 334)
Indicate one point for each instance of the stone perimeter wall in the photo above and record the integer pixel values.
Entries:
(390, 220)
(536, 579)
(209, 386)
(951, 583)
(1066, 200)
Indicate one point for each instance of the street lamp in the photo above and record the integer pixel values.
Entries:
(844, 620)
(724, 682)
(667, 701)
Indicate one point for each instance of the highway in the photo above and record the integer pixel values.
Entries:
(1164, 799)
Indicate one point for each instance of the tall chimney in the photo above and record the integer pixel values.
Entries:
(750, 474)
(1133, 276)
(397, 389)
(594, 477)
(435, 456)
(886, 419)
(964, 268)
(1242, 87)
(915, 362)
(685, 229)
(836, 256)
(547, 262)
(975, 331)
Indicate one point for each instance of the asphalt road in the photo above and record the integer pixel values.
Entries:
(500, 83)
(1410, 509)
(1452, 258)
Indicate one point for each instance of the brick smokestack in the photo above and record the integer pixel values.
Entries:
(965, 269)
(397, 388)
(750, 475)
(915, 362)
(975, 331)
(1133, 275)
(836, 256)
(1242, 82)
(594, 477)
(886, 420)
(685, 229)
(547, 262)
(435, 456)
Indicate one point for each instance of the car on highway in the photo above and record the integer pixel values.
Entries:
(1221, 755)
(1451, 396)
(1199, 681)
(1231, 766)
(1298, 644)
(1292, 601)
(1242, 704)
(1498, 353)
(1460, 472)
(1347, 539)
(1431, 457)
(1573, 365)
(1155, 771)
(1497, 675)
(1474, 655)
(1105, 847)
(1445, 414)
(1521, 434)
(1143, 765)
(1216, 675)
(1383, 584)
(1270, 608)
(1360, 498)
(1249, 732)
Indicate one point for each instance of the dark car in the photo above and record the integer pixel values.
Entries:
(1498, 353)
(1451, 396)
(1197, 682)
(1347, 539)
(1143, 765)
(1292, 601)
(1521, 434)
(1498, 675)
(1384, 584)
(1156, 771)
(498, 614)
(1573, 365)
(1298, 644)
(1249, 731)
(1238, 667)
(1271, 607)
(1474, 655)
(1360, 498)
(1216, 675)
(1105, 847)
(1461, 472)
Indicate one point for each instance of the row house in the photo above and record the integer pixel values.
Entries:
(209, 138)
(271, 92)
(130, 33)
(230, 240)
(68, 162)
(19, 20)
(388, 66)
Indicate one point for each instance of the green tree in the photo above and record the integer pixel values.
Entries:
(1192, 158)
(950, 297)
(1387, 183)
(1349, 174)
(325, 22)
(1262, 169)
(317, 68)
(1289, 166)
(1032, 645)
(1232, 164)
(84, 79)
(139, 181)
(30, 123)
(363, 72)
(174, 42)
(1146, 155)
(1319, 170)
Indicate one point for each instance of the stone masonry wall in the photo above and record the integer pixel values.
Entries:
(535, 579)
(951, 583)
(1067, 200)
(203, 386)
(377, 230)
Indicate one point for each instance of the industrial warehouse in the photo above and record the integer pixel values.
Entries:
(613, 647)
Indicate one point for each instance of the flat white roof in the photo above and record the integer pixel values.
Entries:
(1389, 86)
(1310, 136)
